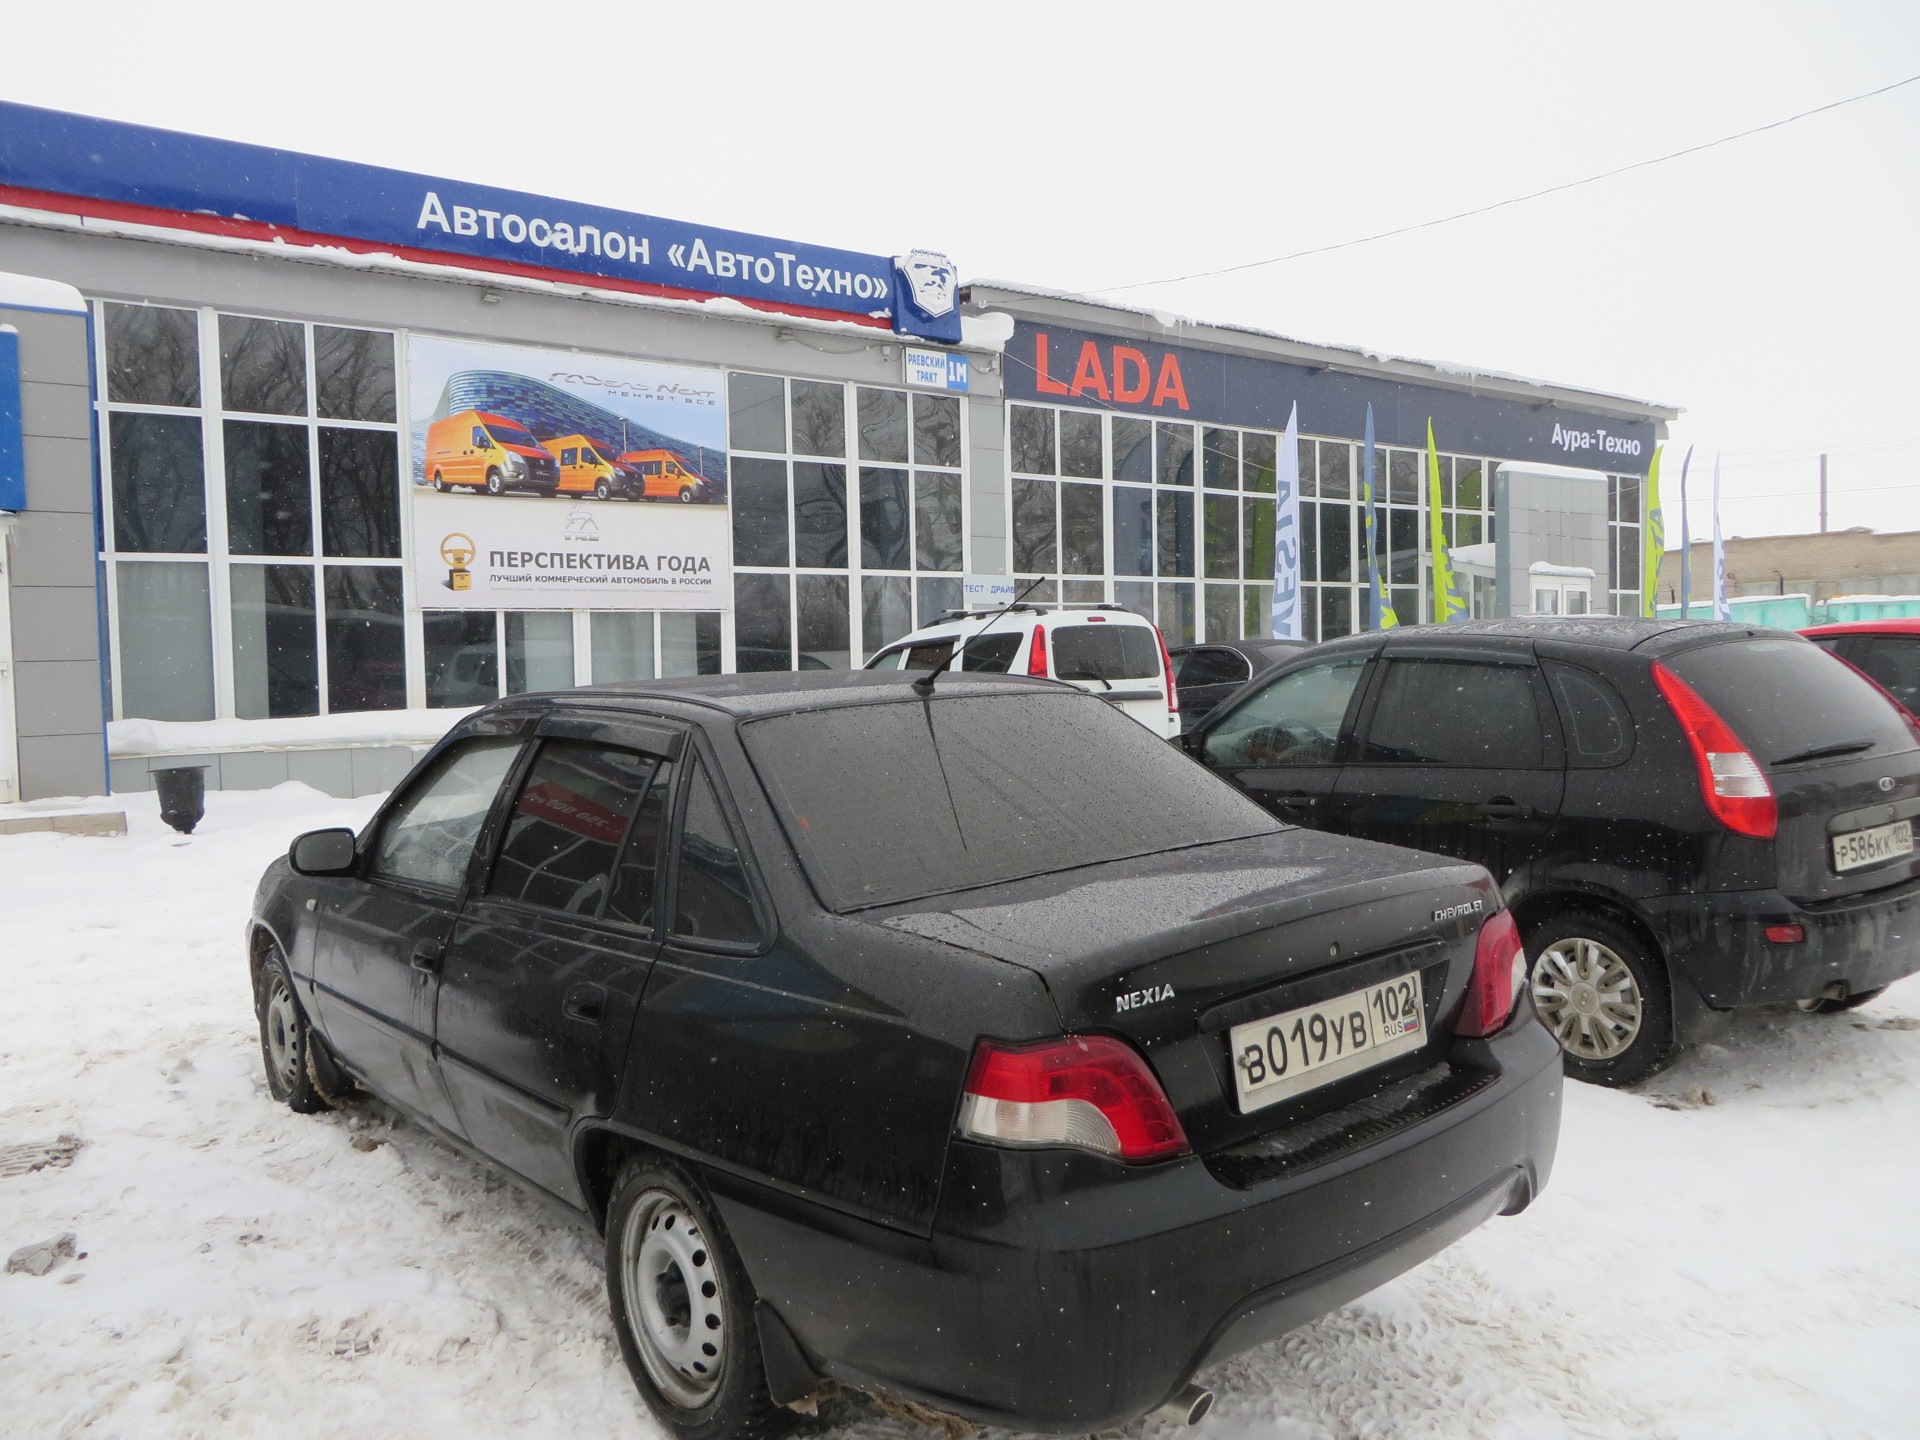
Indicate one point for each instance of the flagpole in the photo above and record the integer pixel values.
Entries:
(1720, 609)
(1686, 542)
(1286, 621)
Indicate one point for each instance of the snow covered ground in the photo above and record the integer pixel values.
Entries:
(1732, 1252)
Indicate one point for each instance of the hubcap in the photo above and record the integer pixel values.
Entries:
(1587, 997)
(282, 1020)
(670, 1284)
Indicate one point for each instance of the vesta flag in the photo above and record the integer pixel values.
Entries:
(1447, 604)
(1286, 536)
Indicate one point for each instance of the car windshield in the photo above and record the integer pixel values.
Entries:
(1789, 698)
(897, 801)
(510, 434)
(1105, 652)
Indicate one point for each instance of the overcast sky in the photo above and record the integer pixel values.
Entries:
(1770, 287)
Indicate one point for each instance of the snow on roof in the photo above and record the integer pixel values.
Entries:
(30, 292)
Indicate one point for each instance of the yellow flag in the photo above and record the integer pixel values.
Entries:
(1653, 539)
(1447, 604)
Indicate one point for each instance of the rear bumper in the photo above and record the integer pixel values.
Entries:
(1059, 1292)
(1719, 941)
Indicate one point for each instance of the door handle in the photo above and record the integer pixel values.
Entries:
(1298, 800)
(1504, 807)
(428, 955)
(585, 1004)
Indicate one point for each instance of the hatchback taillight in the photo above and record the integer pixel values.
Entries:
(1499, 970)
(1037, 656)
(1735, 788)
(1086, 1092)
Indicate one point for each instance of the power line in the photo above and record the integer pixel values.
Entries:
(1513, 200)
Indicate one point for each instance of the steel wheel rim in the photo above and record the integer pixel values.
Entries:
(1587, 996)
(675, 1307)
(283, 1020)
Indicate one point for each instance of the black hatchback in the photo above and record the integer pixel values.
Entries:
(888, 1041)
(1685, 817)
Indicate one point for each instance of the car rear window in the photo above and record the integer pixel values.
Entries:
(1105, 652)
(1788, 697)
(896, 801)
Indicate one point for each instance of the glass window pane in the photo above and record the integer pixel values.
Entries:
(1223, 612)
(269, 489)
(1336, 468)
(539, 650)
(1336, 612)
(1176, 614)
(1403, 477)
(937, 597)
(1467, 530)
(1222, 459)
(1173, 454)
(1080, 448)
(759, 502)
(1630, 499)
(757, 413)
(1336, 542)
(821, 603)
(1032, 432)
(276, 646)
(711, 897)
(936, 511)
(360, 493)
(1309, 540)
(153, 355)
(1257, 609)
(429, 837)
(1044, 592)
(1175, 513)
(1629, 566)
(159, 485)
(1132, 449)
(1403, 549)
(166, 641)
(1257, 518)
(622, 644)
(263, 365)
(1137, 596)
(463, 658)
(1223, 537)
(762, 623)
(1450, 712)
(1259, 457)
(567, 825)
(1082, 532)
(885, 540)
(635, 884)
(355, 380)
(819, 418)
(1469, 485)
(1034, 527)
(886, 610)
(1406, 605)
(366, 644)
(690, 642)
(936, 430)
(1132, 530)
(883, 425)
(1083, 592)
(1309, 475)
(820, 515)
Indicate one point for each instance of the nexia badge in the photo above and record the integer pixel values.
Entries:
(936, 370)
(1453, 911)
(1134, 999)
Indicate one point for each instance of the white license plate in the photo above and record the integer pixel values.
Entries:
(1859, 848)
(1298, 1050)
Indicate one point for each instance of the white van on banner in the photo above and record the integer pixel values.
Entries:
(557, 480)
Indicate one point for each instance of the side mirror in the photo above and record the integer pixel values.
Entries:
(322, 852)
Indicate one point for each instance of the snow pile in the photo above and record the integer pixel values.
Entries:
(304, 732)
(1729, 1253)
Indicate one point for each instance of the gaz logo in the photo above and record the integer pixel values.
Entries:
(1134, 999)
(1472, 907)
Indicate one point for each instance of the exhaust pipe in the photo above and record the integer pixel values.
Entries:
(1189, 1406)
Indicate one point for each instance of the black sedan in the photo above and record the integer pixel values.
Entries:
(1204, 675)
(889, 1041)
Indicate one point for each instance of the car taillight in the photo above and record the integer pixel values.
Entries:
(1499, 970)
(1037, 657)
(1732, 783)
(1086, 1092)
(1166, 673)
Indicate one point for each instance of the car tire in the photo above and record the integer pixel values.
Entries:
(681, 1303)
(686, 494)
(1827, 1005)
(439, 482)
(288, 1046)
(495, 484)
(1602, 992)
(602, 490)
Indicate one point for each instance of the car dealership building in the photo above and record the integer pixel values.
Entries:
(296, 453)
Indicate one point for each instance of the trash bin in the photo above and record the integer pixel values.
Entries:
(183, 795)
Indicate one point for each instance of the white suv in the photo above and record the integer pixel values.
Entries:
(1102, 649)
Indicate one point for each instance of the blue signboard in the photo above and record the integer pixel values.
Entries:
(78, 155)
(13, 464)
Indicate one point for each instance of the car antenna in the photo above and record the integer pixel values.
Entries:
(923, 687)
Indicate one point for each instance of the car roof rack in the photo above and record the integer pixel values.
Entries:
(1031, 609)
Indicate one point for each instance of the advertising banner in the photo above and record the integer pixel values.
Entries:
(547, 479)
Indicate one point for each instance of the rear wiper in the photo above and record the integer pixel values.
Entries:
(1825, 752)
(1089, 675)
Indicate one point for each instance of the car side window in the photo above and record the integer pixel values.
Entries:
(991, 654)
(1456, 712)
(567, 825)
(428, 838)
(712, 897)
(1295, 720)
(1892, 662)
(637, 880)
(1599, 729)
(1212, 667)
(479, 437)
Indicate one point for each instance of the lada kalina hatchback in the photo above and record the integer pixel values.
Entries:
(1684, 817)
(1102, 649)
(890, 1043)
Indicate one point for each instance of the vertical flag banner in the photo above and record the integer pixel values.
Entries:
(1380, 614)
(1653, 539)
(1686, 540)
(1720, 611)
(1447, 604)
(1286, 536)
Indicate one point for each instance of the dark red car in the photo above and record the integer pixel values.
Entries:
(1885, 651)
